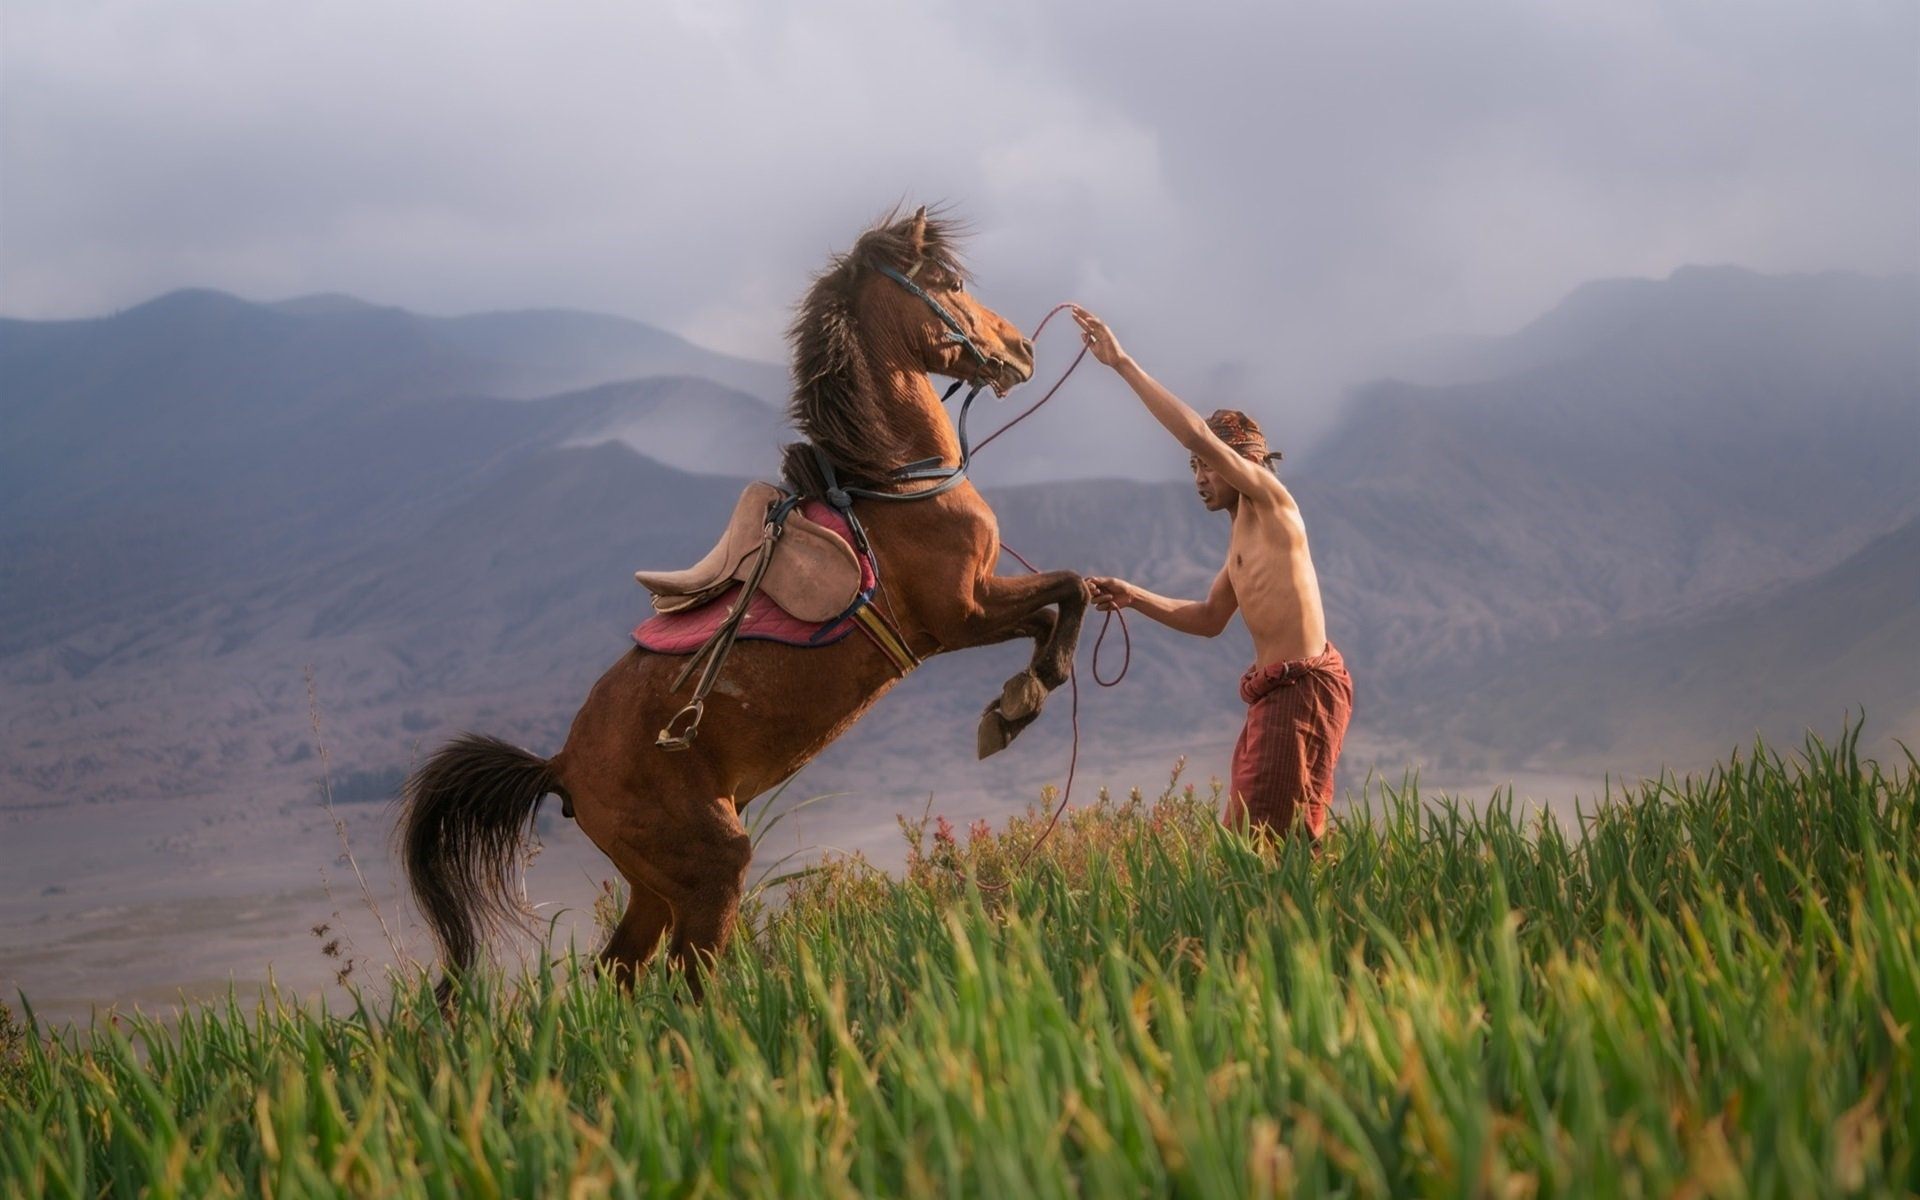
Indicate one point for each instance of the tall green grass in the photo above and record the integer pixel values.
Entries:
(1711, 988)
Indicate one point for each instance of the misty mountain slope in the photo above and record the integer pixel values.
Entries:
(237, 490)
(545, 546)
(501, 609)
(685, 422)
(321, 488)
(538, 351)
(1778, 664)
(1847, 312)
(99, 396)
(1678, 463)
(562, 348)
(191, 370)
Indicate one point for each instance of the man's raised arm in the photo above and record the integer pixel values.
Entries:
(1240, 473)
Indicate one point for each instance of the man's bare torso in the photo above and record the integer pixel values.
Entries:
(1271, 571)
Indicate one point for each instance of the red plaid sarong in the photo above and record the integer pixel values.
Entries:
(1283, 764)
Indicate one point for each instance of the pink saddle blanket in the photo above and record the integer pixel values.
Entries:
(686, 631)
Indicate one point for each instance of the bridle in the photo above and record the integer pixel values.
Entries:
(943, 478)
(956, 332)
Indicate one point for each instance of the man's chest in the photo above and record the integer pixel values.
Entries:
(1255, 553)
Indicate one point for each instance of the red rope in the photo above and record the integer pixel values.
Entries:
(1126, 636)
(1032, 408)
(1073, 673)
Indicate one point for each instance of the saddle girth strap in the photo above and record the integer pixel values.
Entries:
(880, 630)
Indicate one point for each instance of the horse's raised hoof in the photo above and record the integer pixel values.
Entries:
(1022, 697)
(996, 731)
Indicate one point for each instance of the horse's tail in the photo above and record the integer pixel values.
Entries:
(468, 810)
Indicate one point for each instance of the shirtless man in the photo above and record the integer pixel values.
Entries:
(1298, 693)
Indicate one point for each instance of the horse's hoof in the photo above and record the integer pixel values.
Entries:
(996, 731)
(993, 735)
(1022, 697)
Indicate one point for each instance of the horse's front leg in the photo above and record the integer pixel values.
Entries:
(1005, 608)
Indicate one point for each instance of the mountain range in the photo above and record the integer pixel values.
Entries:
(1666, 513)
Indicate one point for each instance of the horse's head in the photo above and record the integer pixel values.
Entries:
(911, 294)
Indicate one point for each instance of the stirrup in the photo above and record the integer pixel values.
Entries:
(669, 740)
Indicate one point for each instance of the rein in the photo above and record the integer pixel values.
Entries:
(1073, 711)
(1073, 670)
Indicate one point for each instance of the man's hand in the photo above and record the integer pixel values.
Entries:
(1109, 595)
(1099, 338)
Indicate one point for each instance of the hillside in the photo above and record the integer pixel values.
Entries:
(1772, 665)
(1741, 431)
(194, 374)
(199, 444)
(1837, 315)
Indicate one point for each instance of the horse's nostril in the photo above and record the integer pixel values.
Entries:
(1026, 348)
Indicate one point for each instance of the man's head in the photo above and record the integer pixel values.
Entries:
(1241, 432)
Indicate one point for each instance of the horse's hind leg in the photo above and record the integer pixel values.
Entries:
(702, 934)
(638, 934)
(699, 863)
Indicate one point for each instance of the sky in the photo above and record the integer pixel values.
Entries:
(1264, 198)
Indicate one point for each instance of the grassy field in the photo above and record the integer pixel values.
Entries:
(1712, 988)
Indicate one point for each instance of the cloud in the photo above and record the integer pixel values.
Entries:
(1260, 196)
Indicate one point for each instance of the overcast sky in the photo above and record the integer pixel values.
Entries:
(1260, 196)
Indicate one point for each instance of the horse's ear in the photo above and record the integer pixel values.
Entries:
(917, 234)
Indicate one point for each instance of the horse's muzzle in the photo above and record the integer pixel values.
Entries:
(1010, 372)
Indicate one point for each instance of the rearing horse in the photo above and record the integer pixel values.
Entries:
(871, 329)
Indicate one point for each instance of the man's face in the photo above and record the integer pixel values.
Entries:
(1214, 491)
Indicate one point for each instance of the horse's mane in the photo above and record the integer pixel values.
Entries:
(837, 404)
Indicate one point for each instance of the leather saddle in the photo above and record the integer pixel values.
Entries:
(814, 574)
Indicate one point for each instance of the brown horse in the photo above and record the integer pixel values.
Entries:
(863, 345)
